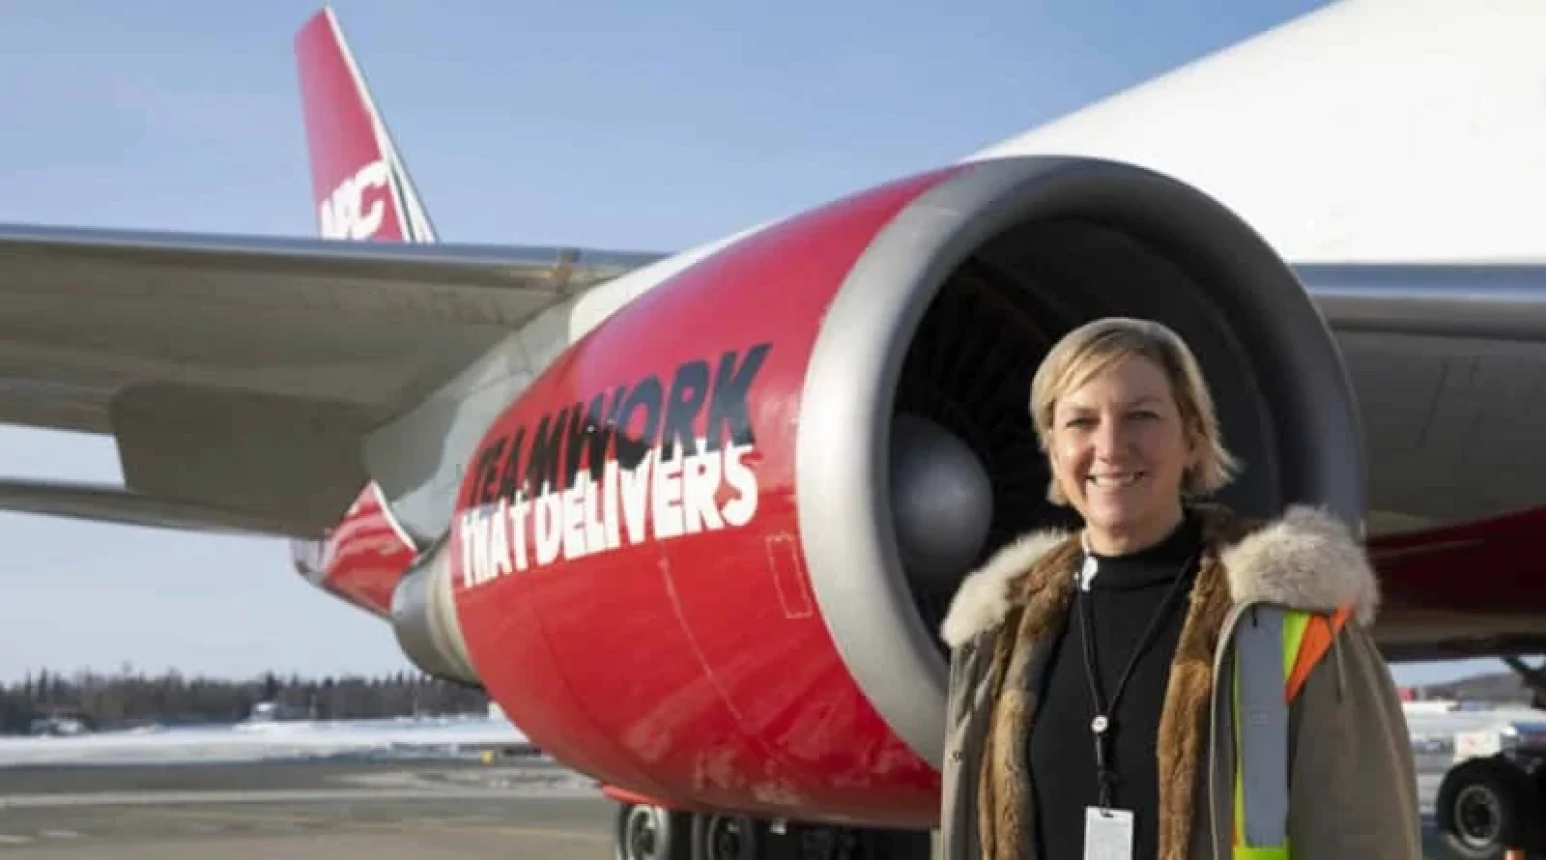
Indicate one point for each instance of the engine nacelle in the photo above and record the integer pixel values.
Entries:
(425, 621)
(370, 562)
(705, 556)
(360, 560)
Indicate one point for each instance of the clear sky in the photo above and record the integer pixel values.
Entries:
(629, 125)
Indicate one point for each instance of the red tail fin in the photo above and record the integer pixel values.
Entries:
(359, 184)
(362, 192)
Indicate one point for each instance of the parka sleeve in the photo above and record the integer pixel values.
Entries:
(958, 837)
(1353, 781)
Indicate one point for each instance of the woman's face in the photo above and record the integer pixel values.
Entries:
(1119, 452)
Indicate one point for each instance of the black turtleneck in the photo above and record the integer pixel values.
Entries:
(1125, 594)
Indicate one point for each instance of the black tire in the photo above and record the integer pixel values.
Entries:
(644, 832)
(726, 837)
(1486, 806)
(864, 843)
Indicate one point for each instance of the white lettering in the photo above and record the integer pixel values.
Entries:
(342, 214)
(662, 498)
(468, 579)
(518, 515)
(499, 540)
(595, 538)
(635, 482)
(609, 523)
(574, 521)
(700, 481)
(740, 510)
(480, 562)
(549, 527)
(666, 494)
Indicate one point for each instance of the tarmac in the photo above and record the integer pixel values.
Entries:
(371, 810)
(337, 811)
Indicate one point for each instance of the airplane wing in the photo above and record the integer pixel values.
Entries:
(237, 375)
(1448, 363)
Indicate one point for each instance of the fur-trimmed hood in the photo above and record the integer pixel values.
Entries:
(1306, 559)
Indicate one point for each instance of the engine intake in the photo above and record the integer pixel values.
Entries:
(940, 324)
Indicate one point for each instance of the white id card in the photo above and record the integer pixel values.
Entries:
(1108, 834)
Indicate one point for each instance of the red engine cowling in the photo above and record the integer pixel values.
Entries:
(362, 559)
(705, 556)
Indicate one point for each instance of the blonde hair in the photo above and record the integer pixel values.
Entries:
(1090, 349)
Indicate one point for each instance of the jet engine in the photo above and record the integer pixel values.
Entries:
(705, 556)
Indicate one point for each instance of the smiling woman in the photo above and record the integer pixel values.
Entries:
(1124, 442)
(1084, 702)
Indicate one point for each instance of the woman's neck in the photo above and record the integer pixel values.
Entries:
(1116, 542)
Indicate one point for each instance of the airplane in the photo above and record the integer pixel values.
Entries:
(678, 513)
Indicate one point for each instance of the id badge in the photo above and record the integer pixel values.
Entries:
(1108, 834)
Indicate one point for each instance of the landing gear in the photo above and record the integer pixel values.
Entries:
(727, 837)
(844, 843)
(647, 832)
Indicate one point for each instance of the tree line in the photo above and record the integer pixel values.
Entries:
(129, 700)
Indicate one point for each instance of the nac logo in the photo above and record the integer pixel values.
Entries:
(343, 215)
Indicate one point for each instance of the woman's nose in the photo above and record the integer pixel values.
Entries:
(1108, 438)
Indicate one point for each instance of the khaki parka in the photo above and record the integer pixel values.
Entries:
(1353, 792)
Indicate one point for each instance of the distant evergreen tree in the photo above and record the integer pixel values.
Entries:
(131, 698)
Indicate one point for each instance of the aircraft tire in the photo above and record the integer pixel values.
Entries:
(647, 832)
(726, 837)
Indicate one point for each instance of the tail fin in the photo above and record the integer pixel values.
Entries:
(359, 183)
(362, 192)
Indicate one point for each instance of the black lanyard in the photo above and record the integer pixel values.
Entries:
(1101, 726)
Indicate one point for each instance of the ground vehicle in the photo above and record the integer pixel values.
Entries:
(1494, 798)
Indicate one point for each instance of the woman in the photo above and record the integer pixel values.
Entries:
(1082, 714)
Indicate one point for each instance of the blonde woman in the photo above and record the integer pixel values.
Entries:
(1096, 676)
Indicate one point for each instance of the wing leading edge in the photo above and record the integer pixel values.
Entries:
(239, 374)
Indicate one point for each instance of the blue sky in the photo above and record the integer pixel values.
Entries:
(647, 126)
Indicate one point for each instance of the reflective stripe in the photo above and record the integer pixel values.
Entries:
(1277, 852)
(1294, 626)
(1312, 644)
(1261, 720)
(1275, 650)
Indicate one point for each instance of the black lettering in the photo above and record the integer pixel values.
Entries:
(487, 472)
(631, 449)
(732, 390)
(510, 475)
(605, 426)
(574, 439)
(689, 387)
(542, 461)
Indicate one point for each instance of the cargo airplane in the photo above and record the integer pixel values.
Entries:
(691, 519)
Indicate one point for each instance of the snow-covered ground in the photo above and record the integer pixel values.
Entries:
(258, 741)
(1437, 725)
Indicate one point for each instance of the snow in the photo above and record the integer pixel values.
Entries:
(259, 741)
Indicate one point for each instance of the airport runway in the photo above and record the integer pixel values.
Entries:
(330, 811)
(335, 811)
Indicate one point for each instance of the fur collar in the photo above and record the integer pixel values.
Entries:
(1306, 559)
